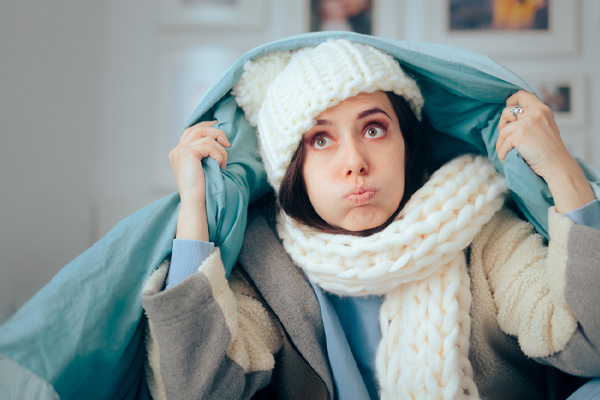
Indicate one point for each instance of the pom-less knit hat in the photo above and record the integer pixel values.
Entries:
(282, 93)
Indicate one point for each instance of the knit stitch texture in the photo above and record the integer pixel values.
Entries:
(282, 93)
(419, 265)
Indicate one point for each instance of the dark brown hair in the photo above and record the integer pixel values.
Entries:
(293, 198)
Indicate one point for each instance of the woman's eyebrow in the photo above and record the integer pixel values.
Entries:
(322, 122)
(363, 114)
(370, 111)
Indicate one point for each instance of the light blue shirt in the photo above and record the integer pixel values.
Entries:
(186, 258)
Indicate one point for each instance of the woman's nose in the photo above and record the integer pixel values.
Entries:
(355, 159)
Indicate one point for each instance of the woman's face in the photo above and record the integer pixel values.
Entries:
(354, 163)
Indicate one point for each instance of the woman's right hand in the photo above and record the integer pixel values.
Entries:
(197, 142)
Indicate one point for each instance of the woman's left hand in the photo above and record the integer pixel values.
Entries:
(535, 135)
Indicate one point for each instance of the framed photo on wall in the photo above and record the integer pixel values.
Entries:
(210, 14)
(565, 95)
(504, 27)
(371, 17)
(341, 15)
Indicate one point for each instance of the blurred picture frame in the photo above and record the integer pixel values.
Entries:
(378, 18)
(565, 95)
(210, 14)
(341, 15)
(504, 27)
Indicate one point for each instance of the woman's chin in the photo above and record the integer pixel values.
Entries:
(366, 222)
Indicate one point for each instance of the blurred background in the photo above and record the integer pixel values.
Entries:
(94, 94)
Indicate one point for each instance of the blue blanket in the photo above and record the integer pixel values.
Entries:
(82, 335)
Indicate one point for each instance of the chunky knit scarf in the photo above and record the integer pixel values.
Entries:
(418, 263)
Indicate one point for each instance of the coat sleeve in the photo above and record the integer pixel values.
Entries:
(581, 356)
(207, 337)
(532, 283)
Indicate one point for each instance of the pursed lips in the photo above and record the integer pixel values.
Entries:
(361, 196)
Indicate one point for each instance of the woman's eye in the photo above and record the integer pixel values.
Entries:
(374, 132)
(321, 142)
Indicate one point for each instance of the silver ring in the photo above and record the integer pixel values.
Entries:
(516, 110)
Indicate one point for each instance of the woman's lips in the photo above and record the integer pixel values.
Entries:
(361, 197)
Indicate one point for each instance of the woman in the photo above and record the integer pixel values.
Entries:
(395, 307)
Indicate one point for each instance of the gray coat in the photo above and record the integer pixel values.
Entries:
(273, 345)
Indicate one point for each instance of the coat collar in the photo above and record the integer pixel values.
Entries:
(285, 289)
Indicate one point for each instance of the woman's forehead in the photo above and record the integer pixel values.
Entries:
(356, 103)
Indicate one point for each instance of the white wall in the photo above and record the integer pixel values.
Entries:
(78, 118)
(51, 119)
(132, 166)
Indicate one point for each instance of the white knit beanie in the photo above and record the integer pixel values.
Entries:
(282, 93)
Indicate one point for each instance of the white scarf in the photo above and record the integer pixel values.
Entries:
(418, 263)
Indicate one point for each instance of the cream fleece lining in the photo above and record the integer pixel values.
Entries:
(255, 335)
(527, 280)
